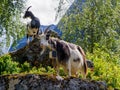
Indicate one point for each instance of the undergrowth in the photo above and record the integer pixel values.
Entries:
(106, 68)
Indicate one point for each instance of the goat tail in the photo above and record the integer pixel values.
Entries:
(85, 67)
(29, 8)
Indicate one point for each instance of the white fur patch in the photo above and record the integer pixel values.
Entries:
(43, 40)
(76, 66)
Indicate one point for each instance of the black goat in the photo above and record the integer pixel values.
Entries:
(33, 26)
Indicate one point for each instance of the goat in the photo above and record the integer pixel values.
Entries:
(90, 64)
(70, 56)
(33, 26)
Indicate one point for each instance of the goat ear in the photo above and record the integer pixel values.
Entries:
(28, 8)
(47, 29)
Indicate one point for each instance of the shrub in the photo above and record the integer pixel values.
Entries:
(7, 66)
(25, 67)
(106, 68)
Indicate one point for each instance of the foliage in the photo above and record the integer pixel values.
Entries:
(11, 26)
(95, 25)
(7, 66)
(25, 67)
(107, 68)
(97, 22)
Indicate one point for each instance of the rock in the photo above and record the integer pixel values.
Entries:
(31, 54)
(44, 82)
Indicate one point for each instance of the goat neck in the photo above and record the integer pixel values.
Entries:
(32, 16)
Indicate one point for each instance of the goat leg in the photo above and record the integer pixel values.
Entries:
(69, 68)
(28, 39)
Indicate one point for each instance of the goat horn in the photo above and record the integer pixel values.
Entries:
(46, 30)
(29, 8)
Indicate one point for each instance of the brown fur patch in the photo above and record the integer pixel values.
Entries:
(62, 49)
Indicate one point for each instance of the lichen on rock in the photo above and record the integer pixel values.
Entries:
(44, 82)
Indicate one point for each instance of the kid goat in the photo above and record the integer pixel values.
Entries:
(70, 56)
(33, 26)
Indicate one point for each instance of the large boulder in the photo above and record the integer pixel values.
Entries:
(31, 53)
(44, 82)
